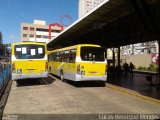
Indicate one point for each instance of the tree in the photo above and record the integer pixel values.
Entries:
(1, 38)
(1, 44)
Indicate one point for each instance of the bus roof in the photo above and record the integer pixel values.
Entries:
(39, 43)
(74, 46)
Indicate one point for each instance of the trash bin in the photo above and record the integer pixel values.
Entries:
(149, 78)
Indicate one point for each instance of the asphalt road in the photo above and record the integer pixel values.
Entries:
(50, 98)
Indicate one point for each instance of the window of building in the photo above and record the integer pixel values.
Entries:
(24, 35)
(31, 35)
(31, 29)
(46, 30)
(56, 31)
(45, 37)
(42, 29)
(25, 28)
(38, 36)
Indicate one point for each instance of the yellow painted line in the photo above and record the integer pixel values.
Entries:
(132, 93)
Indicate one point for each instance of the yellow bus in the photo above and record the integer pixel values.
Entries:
(84, 62)
(29, 60)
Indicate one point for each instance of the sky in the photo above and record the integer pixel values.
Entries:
(15, 12)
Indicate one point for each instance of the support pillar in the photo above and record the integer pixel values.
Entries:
(158, 62)
(119, 59)
(113, 58)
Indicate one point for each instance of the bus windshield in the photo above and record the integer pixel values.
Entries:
(29, 51)
(93, 54)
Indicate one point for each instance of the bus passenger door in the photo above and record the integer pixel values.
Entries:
(72, 64)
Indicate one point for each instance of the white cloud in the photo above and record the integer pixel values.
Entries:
(12, 38)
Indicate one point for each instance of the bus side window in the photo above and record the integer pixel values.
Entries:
(90, 56)
(94, 57)
(72, 56)
(52, 57)
(60, 56)
(49, 58)
(55, 56)
(63, 56)
(66, 56)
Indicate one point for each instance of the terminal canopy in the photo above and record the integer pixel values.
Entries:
(114, 23)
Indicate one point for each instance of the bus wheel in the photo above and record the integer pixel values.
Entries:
(103, 84)
(62, 76)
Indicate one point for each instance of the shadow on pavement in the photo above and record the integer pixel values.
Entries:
(87, 83)
(32, 82)
(138, 83)
(83, 83)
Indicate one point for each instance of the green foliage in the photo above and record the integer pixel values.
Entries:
(151, 67)
(141, 68)
(1, 45)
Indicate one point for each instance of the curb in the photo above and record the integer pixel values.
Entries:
(132, 93)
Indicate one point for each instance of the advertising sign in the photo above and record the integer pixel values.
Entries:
(155, 59)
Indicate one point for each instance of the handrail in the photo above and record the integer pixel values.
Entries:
(4, 76)
(146, 72)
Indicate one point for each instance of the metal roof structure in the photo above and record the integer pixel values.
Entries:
(114, 23)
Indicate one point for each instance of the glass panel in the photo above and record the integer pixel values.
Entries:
(72, 56)
(28, 51)
(31, 29)
(93, 54)
(25, 28)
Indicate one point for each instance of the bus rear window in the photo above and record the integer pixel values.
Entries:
(28, 51)
(93, 54)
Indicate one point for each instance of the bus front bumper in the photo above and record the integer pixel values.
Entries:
(26, 76)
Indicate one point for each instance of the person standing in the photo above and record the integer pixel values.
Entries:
(125, 69)
(131, 67)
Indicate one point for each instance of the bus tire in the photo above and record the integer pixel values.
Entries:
(17, 83)
(103, 84)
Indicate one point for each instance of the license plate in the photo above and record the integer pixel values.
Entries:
(93, 73)
(30, 71)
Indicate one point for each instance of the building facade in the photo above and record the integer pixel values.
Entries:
(39, 31)
(140, 48)
(86, 5)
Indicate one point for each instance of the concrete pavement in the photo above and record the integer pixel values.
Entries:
(66, 98)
